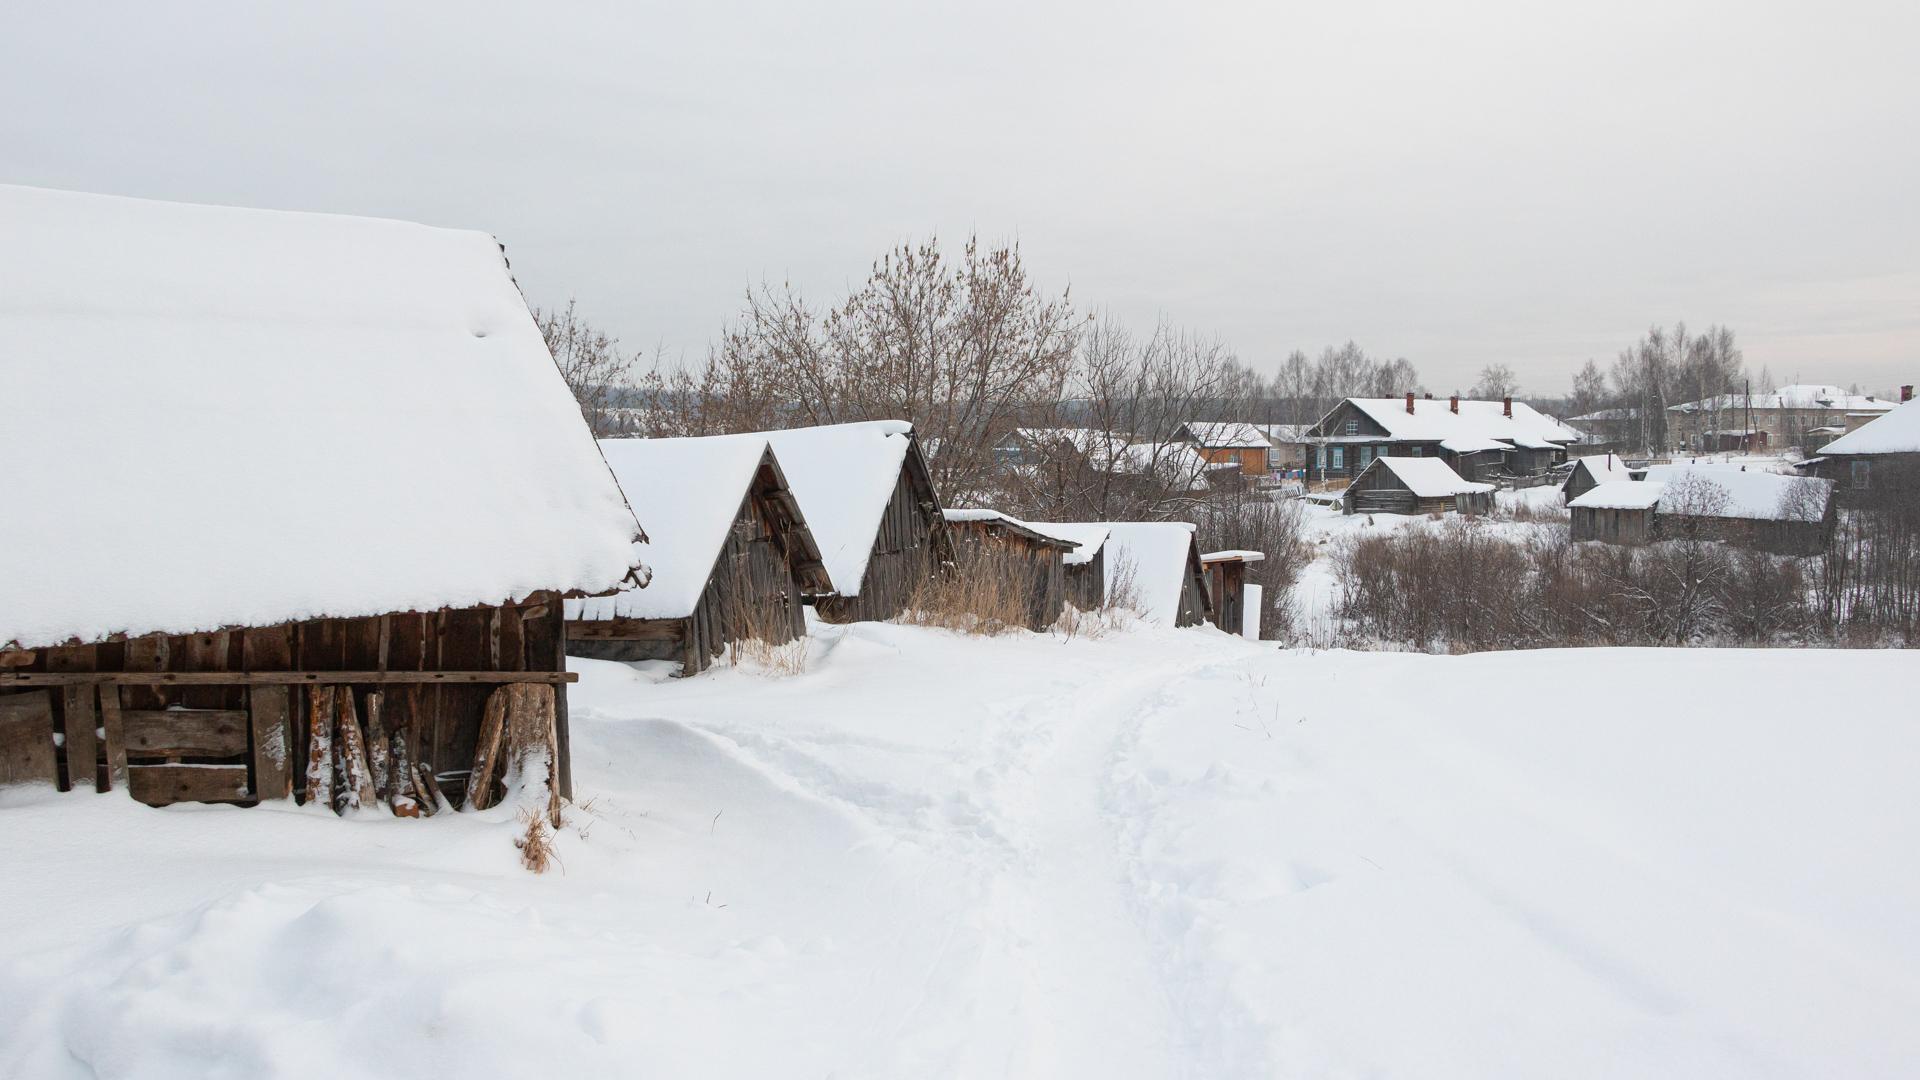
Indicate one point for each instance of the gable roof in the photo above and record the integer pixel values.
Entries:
(1228, 435)
(693, 490)
(1600, 468)
(1806, 397)
(1761, 496)
(1091, 537)
(1620, 495)
(1427, 477)
(1156, 557)
(1897, 432)
(226, 417)
(996, 519)
(1479, 425)
(843, 476)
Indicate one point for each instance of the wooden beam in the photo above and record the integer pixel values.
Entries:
(156, 733)
(79, 717)
(269, 710)
(111, 720)
(158, 785)
(279, 678)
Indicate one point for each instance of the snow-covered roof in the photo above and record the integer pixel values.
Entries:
(1477, 423)
(1600, 468)
(843, 476)
(1090, 536)
(1898, 432)
(1750, 493)
(1799, 397)
(1606, 415)
(222, 417)
(1227, 435)
(1428, 477)
(1233, 555)
(978, 514)
(692, 489)
(1153, 556)
(1285, 433)
(1621, 495)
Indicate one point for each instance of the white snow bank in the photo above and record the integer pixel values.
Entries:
(1153, 557)
(240, 417)
(842, 475)
(692, 490)
(1897, 432)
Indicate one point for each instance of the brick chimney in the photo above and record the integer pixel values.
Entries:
(1906, 392)
(1506, 406)
(1409, 403)
(1453, 403)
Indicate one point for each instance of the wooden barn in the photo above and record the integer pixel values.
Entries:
(869, 500)
(1154, 567)
(1877, 461)
(998, 548)
(1407, 485)
(1590, 472)
(295, 504)
(731, 555)
(1227, 588)
(1085, 567)
(1787, 515)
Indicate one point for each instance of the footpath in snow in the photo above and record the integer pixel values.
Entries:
(1154, 854)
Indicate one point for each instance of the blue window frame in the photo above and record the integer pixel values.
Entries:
(1339, 457)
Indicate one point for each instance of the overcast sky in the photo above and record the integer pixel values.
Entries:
(1455, 183)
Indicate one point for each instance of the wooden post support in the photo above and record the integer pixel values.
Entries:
(83, 746)
(116, 737)
(378, 744)
(268, 715)
(320, 746)
(352, 747)
(486, 754)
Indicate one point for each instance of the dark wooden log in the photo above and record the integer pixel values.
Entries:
(27, 752)
(350, 743)
(159, 785)
(79, 718)
(379, 746)
(269, 711)
(282, 678)
(176, 733)
(486, 757)
(320, 712)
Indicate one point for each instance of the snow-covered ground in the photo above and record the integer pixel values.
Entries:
(1155, 854)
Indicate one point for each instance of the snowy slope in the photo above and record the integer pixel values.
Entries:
(1155, 854)
(242, 417)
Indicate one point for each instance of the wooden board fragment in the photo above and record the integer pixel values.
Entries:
(378, 744)
(79, 719)
(350, 744)
(114, 724)
(158, 785)
(175, 733)
(486, 754)
(268, 715)
(320, 746)
(26, 739)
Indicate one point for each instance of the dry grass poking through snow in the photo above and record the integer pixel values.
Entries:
(983, 595)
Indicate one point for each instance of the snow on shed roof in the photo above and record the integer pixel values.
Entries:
(1897, 432)
(692, 489)
(1154, 555)
(227, 417)
(1008, 520)
(843, 475)
(1476, 422)
(1751, 494)
(1091, 536)
(1227, 435)
(1621, 495)
(1601, 469)
(1428, 477)
(1233, 555)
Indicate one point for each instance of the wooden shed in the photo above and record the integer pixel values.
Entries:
(869, 500)
(1590, 472)
(1154, 567)
(1085, 567)
(1789, 515)
(731, 555)
(296, 500)
(1409, 485)
(1006, 554)
(1226, 573)
(1616, 512)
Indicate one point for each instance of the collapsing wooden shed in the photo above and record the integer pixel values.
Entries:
(1003, 560)
(731, 555)
(869, 500)
(362, 601)
(1227, 587)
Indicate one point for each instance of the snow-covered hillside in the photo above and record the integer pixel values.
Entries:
(1155, 854)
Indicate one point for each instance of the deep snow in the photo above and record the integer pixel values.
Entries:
(1156, 853)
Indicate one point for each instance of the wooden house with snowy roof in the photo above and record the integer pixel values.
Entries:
(1880, 458)
(1410, 485)
(868, 498)
(1479, 440)
(1003, 553)
(331, 494)
(731, 555)
(1590, 472)
(1154, 567)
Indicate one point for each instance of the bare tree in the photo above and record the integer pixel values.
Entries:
(1496, 381)
(595, 369)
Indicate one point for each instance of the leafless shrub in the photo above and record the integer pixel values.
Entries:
(1251, 521)
(593, 365)
(536, 844)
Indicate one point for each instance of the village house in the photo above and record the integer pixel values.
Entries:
(1881, 456)
(1414, 485)
(1155, 567)
(1479, 440)
(869, 501)
(1236, 601)
(1787, 515)
(1787, 417)
(1289, 449)
(1590, 472)
(731, 555)
(999, 552)
(293, 543)
(1243, 446)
